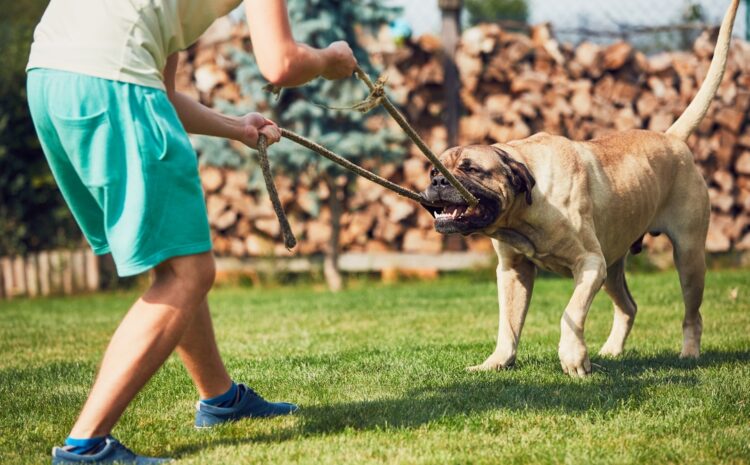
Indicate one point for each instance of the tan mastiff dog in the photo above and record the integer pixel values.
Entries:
(577, 208)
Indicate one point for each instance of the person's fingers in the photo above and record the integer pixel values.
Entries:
(272, 133)
(269, 122)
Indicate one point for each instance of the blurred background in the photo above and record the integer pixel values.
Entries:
(653, 25)
(472, 71)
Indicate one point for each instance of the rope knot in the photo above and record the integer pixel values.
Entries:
(375, 99)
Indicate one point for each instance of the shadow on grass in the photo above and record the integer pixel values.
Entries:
(619, 383)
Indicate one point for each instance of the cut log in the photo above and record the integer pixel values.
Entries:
(721, 201)
(617, 55)
(256, 245)
(216, 205)
(589, 56)
(237, 247)
(742, 165)
(225, 221)
(268, 226)
(730, 118)
(212, 179)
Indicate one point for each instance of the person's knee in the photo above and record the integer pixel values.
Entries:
(195, 274)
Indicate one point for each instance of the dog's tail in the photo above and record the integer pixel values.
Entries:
(696, 111)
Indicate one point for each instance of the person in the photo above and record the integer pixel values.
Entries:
(101, 90)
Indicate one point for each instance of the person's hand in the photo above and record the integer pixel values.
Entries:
(254, 124)
(340, 61)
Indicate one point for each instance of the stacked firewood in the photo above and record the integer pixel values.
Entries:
(512, 85)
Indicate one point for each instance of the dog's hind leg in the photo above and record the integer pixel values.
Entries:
(687, 228)
(625, 309)
(690, 260)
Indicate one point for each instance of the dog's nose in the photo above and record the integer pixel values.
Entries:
(439, 181)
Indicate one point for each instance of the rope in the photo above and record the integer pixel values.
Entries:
(343, 162)
(289, 240)
(378, 96)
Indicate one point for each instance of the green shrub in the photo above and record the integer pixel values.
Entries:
(32, 212)
(495, 10)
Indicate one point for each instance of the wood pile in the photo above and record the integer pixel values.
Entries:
(513, 85)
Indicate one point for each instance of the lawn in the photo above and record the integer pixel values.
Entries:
(378, 371)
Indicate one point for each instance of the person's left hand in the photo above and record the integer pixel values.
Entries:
(254, 124)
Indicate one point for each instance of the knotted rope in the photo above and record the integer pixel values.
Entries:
(376, 98)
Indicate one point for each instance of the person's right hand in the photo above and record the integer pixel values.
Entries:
(340, 61)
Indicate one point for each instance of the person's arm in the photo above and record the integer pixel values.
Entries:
(199, 119)
(283, 61)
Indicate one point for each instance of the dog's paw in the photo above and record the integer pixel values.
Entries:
(690, 351)
(691, 343)
(574, 359)
(611, 350)
(494, 363)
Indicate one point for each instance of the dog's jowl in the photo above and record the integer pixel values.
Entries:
(578, 208)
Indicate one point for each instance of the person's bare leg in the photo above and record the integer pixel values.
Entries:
(145, 338)
(200, 354)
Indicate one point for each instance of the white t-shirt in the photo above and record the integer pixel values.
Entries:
(121, 40)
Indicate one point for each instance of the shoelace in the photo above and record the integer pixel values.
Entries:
(244, 389)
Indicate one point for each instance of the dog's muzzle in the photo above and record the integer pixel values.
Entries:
(451, 212)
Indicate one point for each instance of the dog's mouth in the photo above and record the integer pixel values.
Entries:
(453, 217)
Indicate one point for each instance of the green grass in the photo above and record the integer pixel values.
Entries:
(379, 373)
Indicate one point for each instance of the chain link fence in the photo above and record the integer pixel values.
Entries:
(651, 25)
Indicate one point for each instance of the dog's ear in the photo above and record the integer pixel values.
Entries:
(520, 177)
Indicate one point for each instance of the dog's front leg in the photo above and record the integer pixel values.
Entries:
(515, 281)
(589, 273)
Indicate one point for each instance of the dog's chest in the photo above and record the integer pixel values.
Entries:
(521, 244)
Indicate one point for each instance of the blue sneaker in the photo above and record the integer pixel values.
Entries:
(249, 405)
(112, 453)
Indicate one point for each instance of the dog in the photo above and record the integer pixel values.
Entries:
(577, 209)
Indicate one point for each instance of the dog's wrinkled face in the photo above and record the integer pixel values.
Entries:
(490, 174)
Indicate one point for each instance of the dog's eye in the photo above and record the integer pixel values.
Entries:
(469, 169)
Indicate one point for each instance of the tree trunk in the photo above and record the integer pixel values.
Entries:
(451, 32)
(331, 269)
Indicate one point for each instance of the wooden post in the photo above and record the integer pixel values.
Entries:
(7, 265)
(79, 270)
(451, 32)
(55, 262)
(93, 277)
(2, 280)
(44, 273)
(19, 276)
(32, 278)
(67, 271)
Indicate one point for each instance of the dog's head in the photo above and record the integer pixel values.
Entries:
(490, 174)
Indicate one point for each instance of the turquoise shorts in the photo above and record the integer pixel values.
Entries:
(124, 164)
